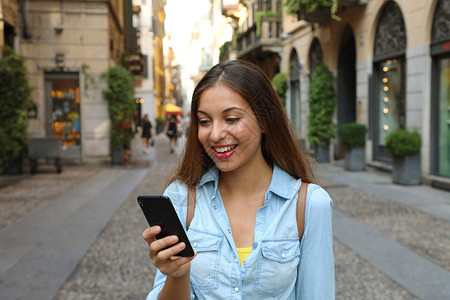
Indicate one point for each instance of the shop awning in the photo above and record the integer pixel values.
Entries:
(173, 109)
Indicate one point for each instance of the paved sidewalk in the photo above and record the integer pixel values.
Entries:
(39, 250)
(399, 256)
(391, 241)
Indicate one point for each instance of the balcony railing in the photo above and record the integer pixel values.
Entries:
(265, 36)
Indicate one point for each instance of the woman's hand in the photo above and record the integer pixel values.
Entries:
(165, 260)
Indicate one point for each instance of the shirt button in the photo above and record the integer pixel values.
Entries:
(236, 260)
(236, 289)
(229, 230)
(215, 207)
(283, 255)
(195, 245)
(244, 263)
(262, 216)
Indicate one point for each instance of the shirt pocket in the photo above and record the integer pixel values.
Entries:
(204, 267)
(277, 267)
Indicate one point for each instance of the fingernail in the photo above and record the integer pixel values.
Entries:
(173, 239)
(181, 245)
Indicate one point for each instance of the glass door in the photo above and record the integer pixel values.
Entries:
(391, 101)
(63, 94)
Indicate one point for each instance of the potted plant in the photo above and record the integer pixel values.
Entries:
(280, 85)
(121, 107)
(321, 99)
(313, 11)
(15, 99)
(353, 136)
(405, 148)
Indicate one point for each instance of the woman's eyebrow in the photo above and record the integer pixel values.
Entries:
(201, 112)
(224, 111)
(232, 108)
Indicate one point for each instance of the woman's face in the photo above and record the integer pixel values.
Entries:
(228, 129)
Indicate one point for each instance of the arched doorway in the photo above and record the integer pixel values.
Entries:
(315, 55)
(294, 92)
(346, 85)
(387, 99)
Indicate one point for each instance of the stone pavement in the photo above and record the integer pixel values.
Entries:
(77, 235)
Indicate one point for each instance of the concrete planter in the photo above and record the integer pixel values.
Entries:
(323, 153)
(406, 169)
(355, 159)
(117, 156)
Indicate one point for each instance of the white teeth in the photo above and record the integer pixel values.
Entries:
(223, 149)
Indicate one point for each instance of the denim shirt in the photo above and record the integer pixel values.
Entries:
(278, 267)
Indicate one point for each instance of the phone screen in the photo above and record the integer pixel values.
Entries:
(158, 210)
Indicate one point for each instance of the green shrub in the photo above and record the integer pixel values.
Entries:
(280, 85)
(353, 134)
(160, 121)
(321, 98)
(121, 104)
(15, 94)
(224, 49)
(403, 142)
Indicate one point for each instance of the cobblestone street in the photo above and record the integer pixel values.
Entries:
(115, 264)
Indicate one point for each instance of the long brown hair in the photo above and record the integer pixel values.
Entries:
(279, 143)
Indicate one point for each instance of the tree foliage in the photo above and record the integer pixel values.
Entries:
(322, 99)
(280, 85)
(121, 104)
(15, 92)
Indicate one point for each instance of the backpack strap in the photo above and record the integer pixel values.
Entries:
(301, 207)
(191, 195)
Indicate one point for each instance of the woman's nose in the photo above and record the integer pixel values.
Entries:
(218, 132)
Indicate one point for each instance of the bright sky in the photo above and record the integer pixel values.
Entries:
(181, 16)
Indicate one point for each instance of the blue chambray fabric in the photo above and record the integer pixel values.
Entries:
(279, 267)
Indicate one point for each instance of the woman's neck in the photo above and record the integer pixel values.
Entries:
(248, 181)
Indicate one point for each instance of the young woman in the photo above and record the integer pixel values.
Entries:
(146, 133)
(245, 166)
(171, 130)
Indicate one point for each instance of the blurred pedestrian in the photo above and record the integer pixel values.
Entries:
(147, 133)
(171, 131)
(261, 228)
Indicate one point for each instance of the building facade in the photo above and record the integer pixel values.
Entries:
(67, 46)
(144, 82)
(391, 61)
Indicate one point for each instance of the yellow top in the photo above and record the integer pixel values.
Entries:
(243, 253)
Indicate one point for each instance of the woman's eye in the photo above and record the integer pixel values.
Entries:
(232, 120)
(203, 122)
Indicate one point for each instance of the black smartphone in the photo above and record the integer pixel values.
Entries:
(158, 210)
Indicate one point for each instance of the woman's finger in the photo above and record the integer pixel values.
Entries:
(150, 233)
(158, 245)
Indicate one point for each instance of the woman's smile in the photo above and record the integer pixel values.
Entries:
(224, 152)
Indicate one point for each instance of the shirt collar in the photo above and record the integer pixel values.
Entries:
(280, 183)
(211, 175)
